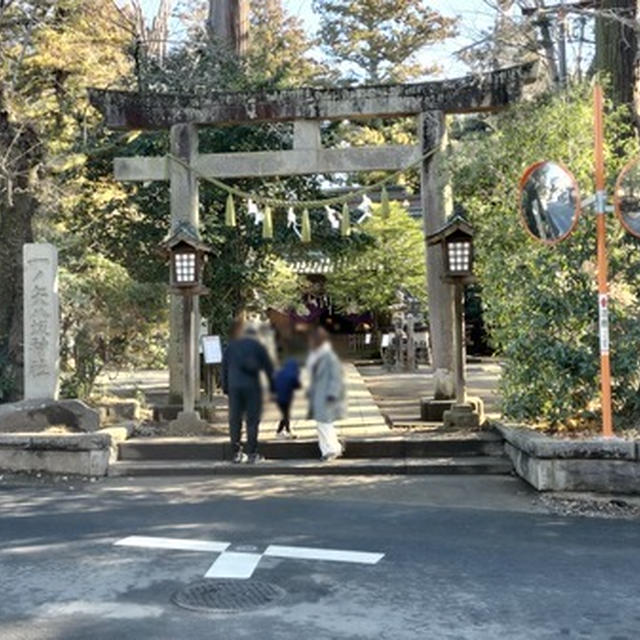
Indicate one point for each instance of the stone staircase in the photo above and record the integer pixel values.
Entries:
(437, 452)
(372, 447)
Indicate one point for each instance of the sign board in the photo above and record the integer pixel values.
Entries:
(212, 349)
(603, 322)
(386, 340)
(41, 321)
(367, 338)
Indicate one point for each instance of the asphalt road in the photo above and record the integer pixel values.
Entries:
(465, 558)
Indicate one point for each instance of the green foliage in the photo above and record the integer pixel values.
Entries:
(378, 40)
(279, 55)
(540, 302)
(280, 52)
(239, 272)
(245, 268)
(7, 377)
(280, 289)
(108, 320)
(48, 57)
(393, 260)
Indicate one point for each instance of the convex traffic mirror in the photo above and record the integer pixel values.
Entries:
(627, 197)
(549, 201)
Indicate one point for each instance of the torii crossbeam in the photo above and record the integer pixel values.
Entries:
(307, 107)
(473, 93)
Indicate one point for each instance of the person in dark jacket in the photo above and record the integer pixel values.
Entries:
(244, 358)
(287, 380)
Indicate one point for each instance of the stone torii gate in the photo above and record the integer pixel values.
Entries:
(429, 102)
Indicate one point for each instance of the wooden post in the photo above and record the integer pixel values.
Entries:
(188, 421)
(411, 343)
(603, 286)
(184, 200)
(398, 344)
(189, 384)
(435, 208)
(462, 415)
(459, 343)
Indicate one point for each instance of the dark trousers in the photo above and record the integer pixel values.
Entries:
(245, 403)
(285, 423)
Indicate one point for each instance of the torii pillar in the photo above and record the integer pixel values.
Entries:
(185, 207)
(437, 205)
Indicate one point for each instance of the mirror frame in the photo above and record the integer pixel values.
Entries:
(616, 198)
(521, 185)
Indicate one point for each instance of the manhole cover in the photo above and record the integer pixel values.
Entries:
(227, 595)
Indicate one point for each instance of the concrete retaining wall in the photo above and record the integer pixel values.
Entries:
(605, 465)
(84, 454)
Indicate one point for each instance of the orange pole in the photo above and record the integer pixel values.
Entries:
(603, 287)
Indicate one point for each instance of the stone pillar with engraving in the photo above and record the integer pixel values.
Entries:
(41, 322)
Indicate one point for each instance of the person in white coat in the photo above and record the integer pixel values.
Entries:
(326, 393)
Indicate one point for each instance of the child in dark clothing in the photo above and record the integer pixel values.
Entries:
(286, 381)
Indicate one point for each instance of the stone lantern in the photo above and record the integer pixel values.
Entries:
(456, 240)
(187, 255)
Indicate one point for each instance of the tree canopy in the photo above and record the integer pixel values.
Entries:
(378, 40)
(58, 182)
(47, 58)
(392, 262)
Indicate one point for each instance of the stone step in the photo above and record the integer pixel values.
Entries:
(484, 465)
(219, 449)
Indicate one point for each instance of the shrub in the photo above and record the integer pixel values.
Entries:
(108, 319)
(540, 302)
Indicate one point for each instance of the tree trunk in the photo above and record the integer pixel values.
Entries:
(17, 207)
(617, 50)
(229, 22)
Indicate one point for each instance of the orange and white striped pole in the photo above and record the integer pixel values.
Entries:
(603, 286)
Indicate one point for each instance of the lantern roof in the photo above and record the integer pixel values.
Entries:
(185, 233)
(457, 225)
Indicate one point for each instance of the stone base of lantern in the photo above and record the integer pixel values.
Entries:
(432, 410)
(461, 416)
(188, 423)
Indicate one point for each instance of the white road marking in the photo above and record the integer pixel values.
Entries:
(178, 544)
(333, 555)
(241, 565)
(233, 564)
(112, 610)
